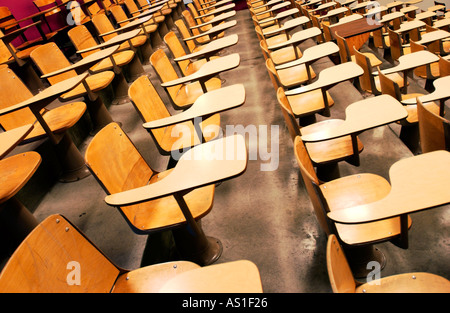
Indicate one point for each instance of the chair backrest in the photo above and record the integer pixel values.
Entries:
(42, 3)
(118, 14)
(46, 64)
(310, 179)
(421, 71)
(132, 7)
(103, 25)
(148, 103)
(165, 70)
(57, 257)
(14, 91)
(273, 73)
(366, 80)
(183, 30)
(327, 32)
(388, 86)
(395, 44)
(177, 50)
(289, 117)
(77, 12)
(344, 51)
(7, 17)
(444, 67)
(434, 130)
(94, 8)
(81, 38)
(190, 22)
(339, 272)
(115, 161)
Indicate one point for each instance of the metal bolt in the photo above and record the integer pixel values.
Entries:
(127, 278)
(364, 291)
(174, 266)
(413, 277)
(57, 220)
(67, 229)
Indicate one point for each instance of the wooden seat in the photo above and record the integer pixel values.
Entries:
(434, 130)
(409, 133)
(343, 281)
(150, 107)
(395, 45)
(368, 81)
(189, 66)
(324, 155)
(291, 77)
(57, 257)
(81, 38)
(444, 67)
(346, 54)
(282, 55)
(58, 121)
(94, 8)
(348, 191)
(182, 95)
(77, 14)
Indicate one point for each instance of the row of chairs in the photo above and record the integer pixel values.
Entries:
(317, 160)
(118, 166)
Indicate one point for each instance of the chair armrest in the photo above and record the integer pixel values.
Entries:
(275, 8)
(217, 19)
(203, 165)
(214, 30)
(298, 37)
(129, 26)
(312, 54)
(85, 63)
(418, 183)
(114, 41)
(218, 10)
(209, 69)
(210, 103)
(211, 47)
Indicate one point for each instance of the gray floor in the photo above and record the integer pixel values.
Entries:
(262, 216)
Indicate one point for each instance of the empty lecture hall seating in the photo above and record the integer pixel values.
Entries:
(149, 108)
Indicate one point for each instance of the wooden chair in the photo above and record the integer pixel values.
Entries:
(369, 82)
(95, 83)
(191, 44)
(324, 155)
(119, 15)
(56, 248)
(187, 67)
(103, 25)
(77, 14)
(95, 8)
(409, 132)
(150, 107)
(182, 95)
(349, 191)
(57, 120)
(429, 72)
(56, 12)
(343, 281)
(81, 38)
(190, 22)
(434, 130)
(118, 166)
(396, 47)
(346, 55)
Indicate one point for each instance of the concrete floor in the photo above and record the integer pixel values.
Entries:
(262, 216)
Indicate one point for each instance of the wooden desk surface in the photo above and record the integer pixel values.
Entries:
(217, 19)
(211, 47)
(15, 172)
(442, 91)
(347, 19)
(117, 40)
(267, 4)
(409, 8)
(391, 16)
(311, 54)
(214, 30)
(410, 61)
(11, 138)
(204, 164)
(324, 6)
(356, 27)
(363, 115)
(425, 15)
(47, 95)
(433, 36)
(208, 69)
(145, 13)
(279, 16)
(298, 21)
(298, 37)
(363, 5)
(334, 12)
(418, 183)
(129, 26)
(435, 8)
(217, 10)
(275, 8)
(376, 10)
(86, 62)
(209, 103)
(410, 25)
(442, 23)
(329, 77)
